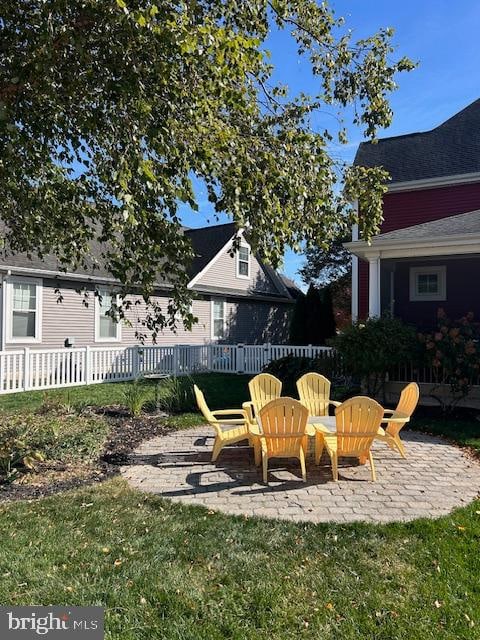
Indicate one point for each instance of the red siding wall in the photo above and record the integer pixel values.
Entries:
(407, 208)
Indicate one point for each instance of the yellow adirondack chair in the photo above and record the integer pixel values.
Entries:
(358, 421)
(397, 418)
(283, 424)
(314, 393)
(228, 430)
(263, 388)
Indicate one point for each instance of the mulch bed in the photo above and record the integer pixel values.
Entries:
(52, 477)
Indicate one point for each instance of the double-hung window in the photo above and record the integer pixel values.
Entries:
(23, 306)
(218, 319)
(243, 262)
(107, 328)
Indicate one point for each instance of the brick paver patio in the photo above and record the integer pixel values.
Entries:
(435, 478)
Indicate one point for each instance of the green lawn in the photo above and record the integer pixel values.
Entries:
(221, 390)
(464, 431)
(182, 573)
(167, 571)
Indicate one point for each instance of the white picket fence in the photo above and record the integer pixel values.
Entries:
(29, 369)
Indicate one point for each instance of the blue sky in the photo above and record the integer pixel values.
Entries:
(443, 37)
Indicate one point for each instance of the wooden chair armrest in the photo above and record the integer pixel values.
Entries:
(229, 421)
(397, 417)
(248, 408)
(335, 403)
(390, 411)
(230, 412)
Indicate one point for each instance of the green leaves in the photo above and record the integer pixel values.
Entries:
(117, 104)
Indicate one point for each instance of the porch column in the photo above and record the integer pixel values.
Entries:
(354, 276)
(374, 287)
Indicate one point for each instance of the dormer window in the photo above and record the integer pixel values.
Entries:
(243, 262)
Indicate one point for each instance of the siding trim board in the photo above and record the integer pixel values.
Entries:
(442, 181)
(454, 245)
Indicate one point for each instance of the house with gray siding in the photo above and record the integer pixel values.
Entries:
(236, 298)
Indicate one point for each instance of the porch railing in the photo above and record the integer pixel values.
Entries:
(30, 369)
(409, 372)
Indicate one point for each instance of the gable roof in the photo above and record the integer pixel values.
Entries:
(452, 148)
(459, 225)
(207, 242)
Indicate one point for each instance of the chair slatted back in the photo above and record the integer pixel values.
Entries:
(263, 389)
(314, 393)
(358, 420)
(283, 422)
(407, 405)
(202, 404)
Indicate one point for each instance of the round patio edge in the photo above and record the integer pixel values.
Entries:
(435, 478)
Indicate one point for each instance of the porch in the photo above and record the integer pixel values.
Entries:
(412, 272)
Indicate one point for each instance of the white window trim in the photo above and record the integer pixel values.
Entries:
(212, 318)
(98, 338)
(440, 271)
(245, 245)
(8, 306)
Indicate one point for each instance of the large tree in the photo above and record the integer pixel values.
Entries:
(324, 266)
(109, 107)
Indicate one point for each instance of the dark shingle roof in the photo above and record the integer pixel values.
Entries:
(461, 224)
(207, 242)
(452, 148)
(291, 286)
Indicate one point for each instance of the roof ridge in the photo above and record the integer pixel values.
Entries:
(455, 115)
(421, 133)
(210, 226)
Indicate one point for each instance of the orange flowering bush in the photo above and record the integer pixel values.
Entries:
(453, 350)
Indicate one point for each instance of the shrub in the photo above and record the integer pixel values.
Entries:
(17, 449)
(369, 350)
(453, 352)
(177, 395)
(25, 440)
(290, 368)
(135, 397)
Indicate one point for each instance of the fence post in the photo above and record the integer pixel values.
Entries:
(26, 368)
(135, 362)
(267, 354)
(88, 365)
(175, 360)
(209, 357)
(240, 358)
